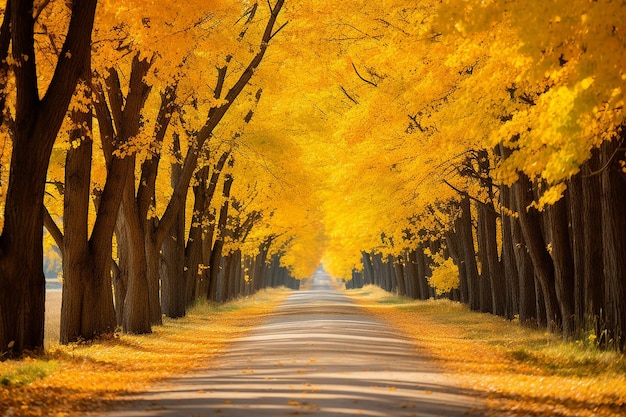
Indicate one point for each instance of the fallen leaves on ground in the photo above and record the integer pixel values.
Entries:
(521, 371)
(84, 377)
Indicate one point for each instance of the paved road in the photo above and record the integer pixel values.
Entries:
(317, 356)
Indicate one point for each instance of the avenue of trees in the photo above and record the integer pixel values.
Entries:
(111, 113)
(206, 149)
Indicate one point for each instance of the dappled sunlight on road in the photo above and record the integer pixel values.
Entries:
(317, 355)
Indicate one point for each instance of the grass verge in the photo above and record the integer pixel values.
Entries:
(520, 371)
(73, 379)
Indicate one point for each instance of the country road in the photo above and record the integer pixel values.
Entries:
(318, 355)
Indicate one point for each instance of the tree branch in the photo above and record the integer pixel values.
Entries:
(348, 95)
(53, 229)
(278, 30)
(361, 77)
(466, 194)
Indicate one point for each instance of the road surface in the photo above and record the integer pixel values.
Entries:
(318, 355)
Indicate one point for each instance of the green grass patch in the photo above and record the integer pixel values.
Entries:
(18, 374)
(394, 300)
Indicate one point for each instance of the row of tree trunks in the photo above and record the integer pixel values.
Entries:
(241, 276)
(562, 267)
(149, 278)
(406, 275)
(532, 273)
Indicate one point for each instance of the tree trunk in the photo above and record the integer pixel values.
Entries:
(469, 253)
(492, 286)
(563, 265)
(225, 291)
(613, 203)
(577, 242)
(195, 278)
(593, 282)
(530, 223)
(236, 276)
(200, 239)
(216, 252)
(511, 276)
(120, 279)
(526, 277)
(258, 265)
(410, 275)
(398, 269)
(173, 289)
(496, 269)
(136, 315)
(87, 303)
(390, 276)
(422, 273)
(455, 253)
(37, 122)
(126, 115)
(368, 268)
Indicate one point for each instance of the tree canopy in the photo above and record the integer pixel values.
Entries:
(224, 137)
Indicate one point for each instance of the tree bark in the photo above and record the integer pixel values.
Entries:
(577, 242)
(202, 227)
(216, 251)
(136, 315)
(526, 277)
(120, 279)
(368, 268)
(398, 269)
(563, 265)
(455, 252)
(593, 282)
(613, 202)
(496, 270)
(87, 303)
(466, 238)
(485, 233)
(410, 269)
(173, 288)
(510, 270)
(530, 223)
(125, 114)
(422, 273)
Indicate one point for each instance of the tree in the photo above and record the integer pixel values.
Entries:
(37, 122)
(148, 235)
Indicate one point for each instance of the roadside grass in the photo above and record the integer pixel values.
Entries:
(519, 370)
(82, 377)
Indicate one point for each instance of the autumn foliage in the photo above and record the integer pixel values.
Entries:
(177, 151)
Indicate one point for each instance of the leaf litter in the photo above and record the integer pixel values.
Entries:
(80, 377)
(520, 371)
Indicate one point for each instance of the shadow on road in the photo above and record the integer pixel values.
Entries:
(320, 356)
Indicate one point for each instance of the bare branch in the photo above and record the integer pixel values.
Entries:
(348, 95)
(278, 30)
(53, 229)
(361, 77)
